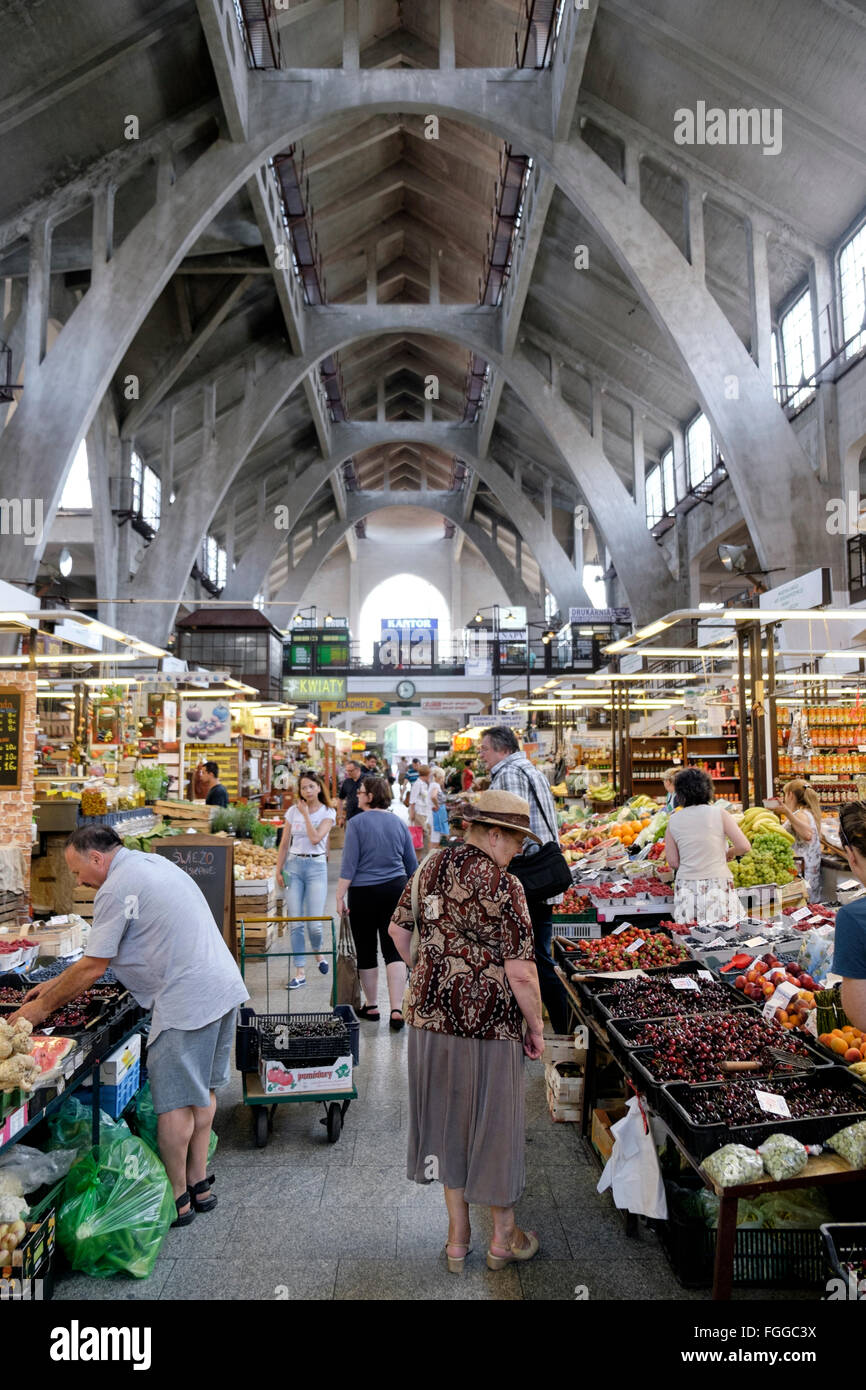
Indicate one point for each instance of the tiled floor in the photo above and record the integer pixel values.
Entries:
(305, 1219)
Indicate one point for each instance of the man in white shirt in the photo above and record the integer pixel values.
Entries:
(152, 924)
(419, 804)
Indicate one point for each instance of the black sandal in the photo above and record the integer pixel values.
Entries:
(370, 1012)
(188, 1216)
(203, 1186)
(396, 1023)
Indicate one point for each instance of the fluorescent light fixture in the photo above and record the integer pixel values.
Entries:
(855, 654)
(690, 653)
(649, 677)
(549, 685)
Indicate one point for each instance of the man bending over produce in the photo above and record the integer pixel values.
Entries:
(152, 925)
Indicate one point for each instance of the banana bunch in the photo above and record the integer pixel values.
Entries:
(560, 790)
(604, 792)
(639, 801)
(758, 821)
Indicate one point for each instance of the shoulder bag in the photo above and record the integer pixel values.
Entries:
(544, 874)
(415, 944)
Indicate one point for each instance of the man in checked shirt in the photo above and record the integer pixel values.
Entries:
(510, 771)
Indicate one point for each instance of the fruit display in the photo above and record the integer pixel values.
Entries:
(628, 831)
(848, 1043)
(8, 948)
(678, 928)
(804, 922)
(641, 886)
(10, 995)
(760, 981)
(734, 1102)
(693, 1049)
(77, 1012)
(770, 860)
(660, 998)
(612, 953)
(605, 791)
(759, 820)
(573, 902)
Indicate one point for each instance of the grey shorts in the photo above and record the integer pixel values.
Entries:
(185, 1065)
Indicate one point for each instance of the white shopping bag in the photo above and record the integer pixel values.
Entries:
(632, 1172)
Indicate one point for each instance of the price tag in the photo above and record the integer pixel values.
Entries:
(711, 945)
(705, 975)
(800, 914)
(635, 946)
(624, 927)
(773, 1105)
(686, 982)
(818, 921)
(18, 1120)
(756, 941)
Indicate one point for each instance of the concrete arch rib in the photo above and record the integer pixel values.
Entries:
(365, 504)
(755, 435)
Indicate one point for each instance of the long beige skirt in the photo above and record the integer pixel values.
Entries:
(467, 1116)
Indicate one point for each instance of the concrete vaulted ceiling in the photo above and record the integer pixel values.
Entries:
(183, 296)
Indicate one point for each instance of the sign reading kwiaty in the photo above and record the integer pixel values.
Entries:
(314, 687)
(408, 641)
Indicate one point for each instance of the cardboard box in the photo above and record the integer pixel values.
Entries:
(602, 1140)
(33, 1251)
(565, 1047)
(288, 1080)
(115, 1066)
(564, 1082)
(14, 1122)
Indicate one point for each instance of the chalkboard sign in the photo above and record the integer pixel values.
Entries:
(209, 860)
(10, 738)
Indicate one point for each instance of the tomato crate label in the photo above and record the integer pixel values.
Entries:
(686, 982)
(635, 946)
(773, 1105)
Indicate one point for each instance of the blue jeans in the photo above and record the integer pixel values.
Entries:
(306, 883)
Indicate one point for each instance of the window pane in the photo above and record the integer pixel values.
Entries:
(136, 469)
(669, 482)
(699, 450)
(151, 489)
(654, 503)
(777, 368)
(798, 350)
(852, 283)
(76, 490)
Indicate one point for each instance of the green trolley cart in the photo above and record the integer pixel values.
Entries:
(298, 1041)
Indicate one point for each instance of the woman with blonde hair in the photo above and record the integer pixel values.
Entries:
(670, 791)
(438, 810)
(801, 807)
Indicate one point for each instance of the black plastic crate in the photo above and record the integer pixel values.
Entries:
(845, 1245)
(788, 1259)
(606, 1006)
(702, 1140)
(255, 1038)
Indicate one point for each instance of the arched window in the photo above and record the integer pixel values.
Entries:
(146, 492)
(76, 496)
(798, 351)
(402, 596)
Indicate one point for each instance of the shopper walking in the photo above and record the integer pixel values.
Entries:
(411, 779)
(419, 804)
(349, 791)
(438, 810)
(474, 1010)
(302, 866)
(378, 857)
(802, 809)
(511, 771)
(153, 926)
(849, 958)
(699, 841)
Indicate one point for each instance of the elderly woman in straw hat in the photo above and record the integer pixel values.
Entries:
(474, 1007)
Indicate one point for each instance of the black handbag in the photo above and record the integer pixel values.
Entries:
(546, 873)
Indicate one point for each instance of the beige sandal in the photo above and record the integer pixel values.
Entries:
(456, 1263)
(526, 1253)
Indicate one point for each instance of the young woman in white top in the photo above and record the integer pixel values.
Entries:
(802, 809)
(699, 841)
(302, 863)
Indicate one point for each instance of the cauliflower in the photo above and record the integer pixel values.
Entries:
(12, 1208)
(14, 1037)
(5, 1048)
(20, 1070)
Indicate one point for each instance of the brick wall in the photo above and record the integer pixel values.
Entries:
(16, 804)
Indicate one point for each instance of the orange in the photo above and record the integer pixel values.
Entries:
(839, 1045)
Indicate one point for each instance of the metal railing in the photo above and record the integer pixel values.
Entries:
(260, 34)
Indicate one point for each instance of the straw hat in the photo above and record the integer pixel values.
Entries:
(500, 808)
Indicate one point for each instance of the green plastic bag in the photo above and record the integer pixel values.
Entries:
(71, 1127)
(146, 1120)
(116, 1211)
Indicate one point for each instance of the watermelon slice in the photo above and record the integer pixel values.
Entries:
(50, 1051)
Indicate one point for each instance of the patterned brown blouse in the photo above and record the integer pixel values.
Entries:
(472, 918)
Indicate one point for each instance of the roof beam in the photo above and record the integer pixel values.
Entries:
(183, 355)
(96, 63)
